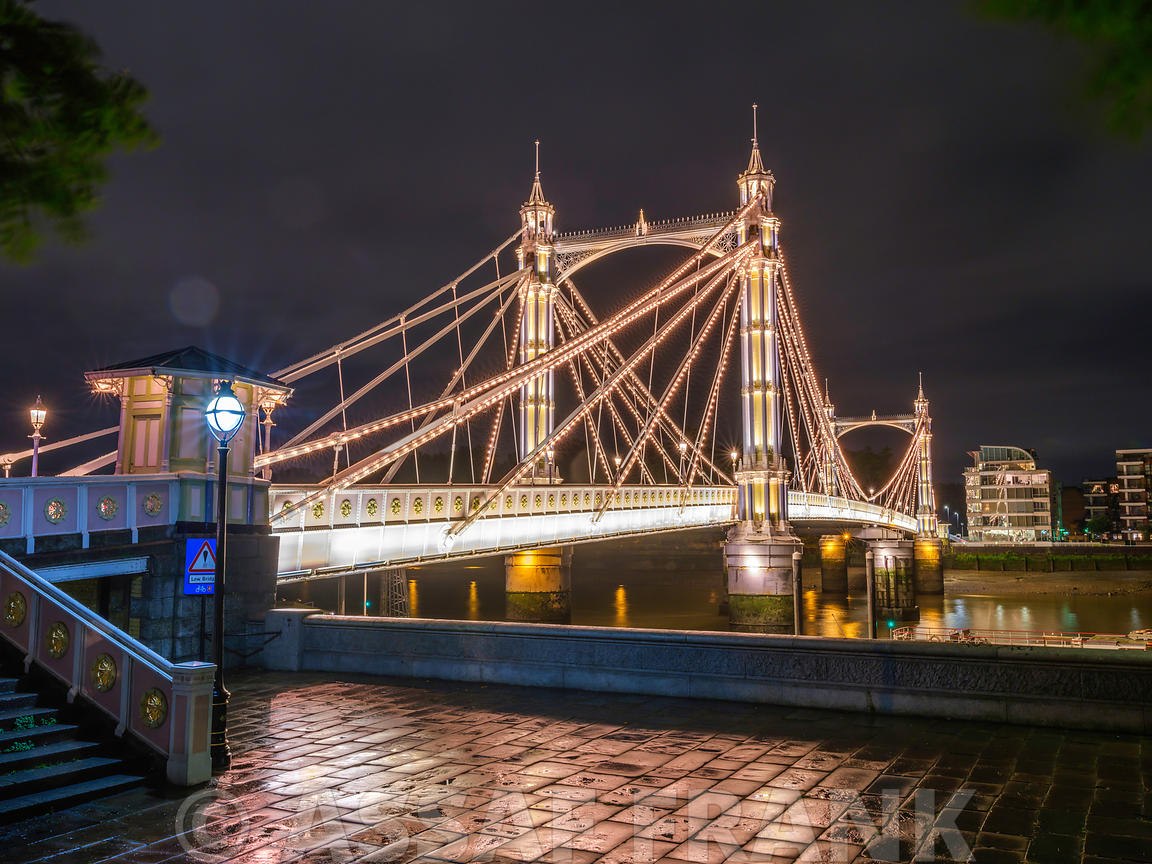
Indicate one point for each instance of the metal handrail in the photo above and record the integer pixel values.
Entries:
(139, 652)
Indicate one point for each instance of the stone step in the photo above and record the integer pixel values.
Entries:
(7, 685)
(42, 777)
(65, 796)
(58, 751)
(16, 700)
(39, 735)
(11, 718)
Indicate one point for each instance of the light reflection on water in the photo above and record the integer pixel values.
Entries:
(665, 597)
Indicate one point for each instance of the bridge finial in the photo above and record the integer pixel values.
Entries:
(537, 194)
(755, 163)
(920, 393)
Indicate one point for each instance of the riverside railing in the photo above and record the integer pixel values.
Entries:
(164, 705)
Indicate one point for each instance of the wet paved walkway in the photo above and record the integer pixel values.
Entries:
(331, 769)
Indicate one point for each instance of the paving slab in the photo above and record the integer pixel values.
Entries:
(351, 769)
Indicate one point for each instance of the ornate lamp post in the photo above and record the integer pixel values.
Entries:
(38, 413)
(225, 416)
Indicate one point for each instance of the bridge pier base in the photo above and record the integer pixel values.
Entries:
(929, 565)
(538, 585)
(893, 563)
(833, 564)
(763, 573)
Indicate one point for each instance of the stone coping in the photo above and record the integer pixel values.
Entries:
(1075, 688)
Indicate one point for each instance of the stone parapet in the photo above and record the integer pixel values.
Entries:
(1075, 688)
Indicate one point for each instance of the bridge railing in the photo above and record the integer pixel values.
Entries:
(363, 506)
(164, 705)
(37, 507)
(812, 505)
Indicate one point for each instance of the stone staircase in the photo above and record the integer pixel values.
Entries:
(46, 764)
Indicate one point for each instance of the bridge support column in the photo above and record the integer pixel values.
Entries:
(394, 593)
(538, 585)
(833, 564)
(761, 578)
(929, 553)
(893, 567)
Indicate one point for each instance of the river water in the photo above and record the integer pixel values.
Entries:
(676, 582)
(664, 583)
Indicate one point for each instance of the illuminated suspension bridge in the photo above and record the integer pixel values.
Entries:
(640, 387)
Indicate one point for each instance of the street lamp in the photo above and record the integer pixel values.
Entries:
(551, 457)
(225, 416)
(37, 413)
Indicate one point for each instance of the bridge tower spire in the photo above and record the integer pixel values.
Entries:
(763, 475)
(762, 554)
(926, 499)
(537, 335)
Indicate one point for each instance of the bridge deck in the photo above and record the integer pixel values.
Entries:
(374, 528)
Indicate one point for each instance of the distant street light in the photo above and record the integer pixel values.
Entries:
(225, 415)
(38, 414)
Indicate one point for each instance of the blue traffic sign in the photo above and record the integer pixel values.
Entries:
(200, 565)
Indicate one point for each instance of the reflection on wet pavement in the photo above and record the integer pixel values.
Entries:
(354, 769)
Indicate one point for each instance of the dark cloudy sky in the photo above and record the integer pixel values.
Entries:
(949, 201)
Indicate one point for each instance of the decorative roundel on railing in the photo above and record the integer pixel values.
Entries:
(104, 673)
(523, 500)
(153, 504)
(395, 506)
(418, 505)
(153, 708)
(507, 502)
(57, 640)
(438, 504)
(287, 505)
(627, 496)
(318, 509)
(476, 503)
(492, 504)
(106, 508)
(5, 513)
(372, 507)
(55, 511)
(345, 508)
(551, 500)
(15, 609)
(587, 498)
(539, 499)
(458, 505)
(564, 500)
(599, 498)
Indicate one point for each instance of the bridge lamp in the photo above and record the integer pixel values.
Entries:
(551, 453)
(38, 414)
(225, 415)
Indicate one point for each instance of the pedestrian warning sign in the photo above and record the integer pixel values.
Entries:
(199, 565)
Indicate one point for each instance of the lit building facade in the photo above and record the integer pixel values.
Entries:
(1134, 478)
(1102, 500)
(1009, 499)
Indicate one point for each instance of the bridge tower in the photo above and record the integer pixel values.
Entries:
(537, 336)
(926, 500)
(538, 582)
(928, 547)
(762, 554)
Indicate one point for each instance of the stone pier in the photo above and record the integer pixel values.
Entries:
(761, 577)
(929, 554)
(894, 575)
(538, 585)
(834, 564)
